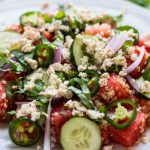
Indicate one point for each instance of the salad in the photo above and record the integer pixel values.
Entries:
(74, 78)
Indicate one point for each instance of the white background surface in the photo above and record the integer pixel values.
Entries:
(10, 10)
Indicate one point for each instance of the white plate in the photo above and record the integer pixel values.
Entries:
(10, 11)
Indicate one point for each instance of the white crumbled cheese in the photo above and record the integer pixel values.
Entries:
(77, 113)
(59, 67)
(103, 54)
(3, 96)
(120, 59)
(84, 63)
(29, 86)
(123, 72)
(66, 48)
(66, 67)
(133, 57)
(87, 15)
(55, 26)
(82, 74)
(33, 63)
(6, 52)
(4, 81)
(130, 50)
(108, 147)
(29, 109)
(56, 88)
(92, 67)
(93, 44)
(79, 110)
(145, 87)
(24, 44)
(31, 80)
(31, 34)
(94, 114)
(108, 62)
(104, 79)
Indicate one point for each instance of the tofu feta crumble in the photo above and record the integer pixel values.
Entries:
(66, 73)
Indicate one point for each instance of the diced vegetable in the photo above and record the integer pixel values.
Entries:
(130, 135)
(59, 115)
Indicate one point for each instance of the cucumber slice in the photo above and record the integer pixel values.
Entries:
(30, 18)
(139, 82)
(80, 134)
(77, 49)
(6, 37)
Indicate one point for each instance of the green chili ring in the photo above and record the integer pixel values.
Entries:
(22, 135)
(131, 118)
(44, 54)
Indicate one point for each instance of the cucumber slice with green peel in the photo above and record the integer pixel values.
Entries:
(6, 37)
(80, 133)
(30, 18)
(139, 82)
(78, 49)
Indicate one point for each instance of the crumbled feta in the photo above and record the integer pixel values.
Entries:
(4, 81)
(79, 110)
(55, 26)
(103, 54)
(24, 44)
(33, 63)
(108, 62)
(145, 87)
(120, 59)
(93, 67)
(134, 57)
(93, 44)
(3, 96)
(31, 34)
(87, 15)
(56, 88)
(66, 48)
(94, 114)
(82, 74)
(29, 109)
(84, 63)
(59, 67)
(123, 72)
(31, 80)
(104, 79)
(29, 86)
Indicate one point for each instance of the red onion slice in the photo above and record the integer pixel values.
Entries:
(132, 83)
(57, 57)
(117, 41)
(137, 62)
(47, 134)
